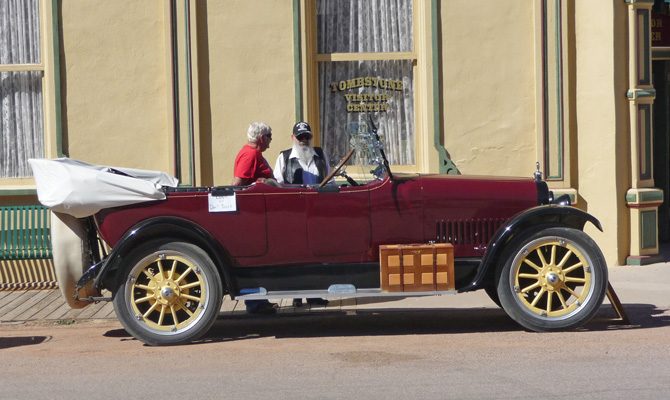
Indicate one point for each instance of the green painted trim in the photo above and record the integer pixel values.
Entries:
(640, 1)
(646, 78)
(660, 54)
(631, 198)
(648, 239)
(559, 90)
(641, 94)
(446, 165)
(56, 77)
(18, 192)
(651, 196)
(175, 90)
(297, 60)
(572, 196)
(189, 92)
(647, 141)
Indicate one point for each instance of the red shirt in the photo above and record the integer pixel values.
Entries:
(250, 164)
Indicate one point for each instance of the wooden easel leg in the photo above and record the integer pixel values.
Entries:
(614, 299)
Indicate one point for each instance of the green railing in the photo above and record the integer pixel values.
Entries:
(24, 233)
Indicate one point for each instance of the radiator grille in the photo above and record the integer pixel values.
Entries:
(475, 232)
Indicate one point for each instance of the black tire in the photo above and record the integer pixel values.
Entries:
(492, 292)
(552, 279)
(170, 293)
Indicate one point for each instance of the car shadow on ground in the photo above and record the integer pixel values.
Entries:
(402, 322)
(409, 322)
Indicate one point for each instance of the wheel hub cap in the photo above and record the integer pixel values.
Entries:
(169, 293)
(553, 278)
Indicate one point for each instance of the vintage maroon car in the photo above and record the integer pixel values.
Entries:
(172, 261)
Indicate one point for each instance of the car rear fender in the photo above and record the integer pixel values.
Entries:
(171, 228)
(551, 215)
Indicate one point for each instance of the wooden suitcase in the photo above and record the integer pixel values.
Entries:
(417, 267)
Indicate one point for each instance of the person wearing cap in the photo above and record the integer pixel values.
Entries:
(251, 166)
(303, 163)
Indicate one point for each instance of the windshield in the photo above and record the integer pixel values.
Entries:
(369, 155)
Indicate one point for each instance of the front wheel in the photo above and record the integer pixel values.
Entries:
(552, 279)
(170, 293)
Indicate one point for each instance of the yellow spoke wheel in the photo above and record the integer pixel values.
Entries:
(552, 279)
(167, 292)
(171, 293)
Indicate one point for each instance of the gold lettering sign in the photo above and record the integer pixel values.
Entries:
(366, 102)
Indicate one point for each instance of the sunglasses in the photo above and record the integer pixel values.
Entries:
(268, 135)
(304, 136)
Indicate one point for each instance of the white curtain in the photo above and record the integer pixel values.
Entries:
(21, 107)
(366, 26)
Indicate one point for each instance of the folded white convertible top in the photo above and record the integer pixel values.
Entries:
(81, 189)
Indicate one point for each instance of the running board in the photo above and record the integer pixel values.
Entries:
(334, 291)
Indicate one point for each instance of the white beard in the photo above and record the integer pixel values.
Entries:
(305, 153)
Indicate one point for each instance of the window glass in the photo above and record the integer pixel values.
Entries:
(21, 107)
(364, 26)
(353, 91)
(358, 86)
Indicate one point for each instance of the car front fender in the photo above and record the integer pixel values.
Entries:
(551, 215)
(157, 228)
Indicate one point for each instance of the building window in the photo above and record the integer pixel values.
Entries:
(21, 73)
(366, 61)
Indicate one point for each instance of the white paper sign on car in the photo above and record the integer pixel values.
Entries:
(222, 203)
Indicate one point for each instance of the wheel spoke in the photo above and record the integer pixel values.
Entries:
(173, 269)
(161, 272)
(573, 267)
(143, 299)
(188, 271)
(148, 274)
(189, 297)
(174, 315)
(527, 261)
(183, 307)
(565, 259)
(529, 276)
(578, 280)
(189, 285)
(544, 261)
(162, 316)
(151, 309)
(562, 299)
(549, 299)
(531, 287)
(553, 255)
(145, 287)
(572, 292)
(538, 297)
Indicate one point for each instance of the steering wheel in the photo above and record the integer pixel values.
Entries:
(337, 168)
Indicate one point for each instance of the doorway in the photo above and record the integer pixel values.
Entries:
(661, 129)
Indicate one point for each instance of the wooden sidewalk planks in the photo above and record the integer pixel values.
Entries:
(16, 300)
(26, 305)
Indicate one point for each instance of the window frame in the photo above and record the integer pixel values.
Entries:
(50, 70)
(311, 59)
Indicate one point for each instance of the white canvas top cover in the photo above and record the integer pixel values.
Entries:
(81, 189)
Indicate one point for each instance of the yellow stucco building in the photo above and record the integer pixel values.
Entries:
(486, 87)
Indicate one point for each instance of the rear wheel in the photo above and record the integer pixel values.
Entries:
(552, 279)
(170, 293)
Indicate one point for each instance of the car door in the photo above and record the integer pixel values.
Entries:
(338, 223)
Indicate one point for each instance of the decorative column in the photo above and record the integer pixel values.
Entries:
(642, 198)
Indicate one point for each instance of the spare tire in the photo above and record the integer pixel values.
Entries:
(71, 257)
